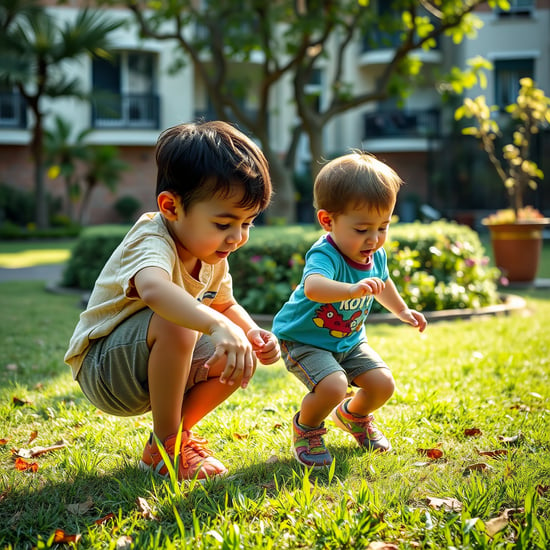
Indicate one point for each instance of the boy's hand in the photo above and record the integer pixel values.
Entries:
(232, 347)
(367, 287)
(413, 318)
(265, 345)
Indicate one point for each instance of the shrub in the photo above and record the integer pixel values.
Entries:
(90, 253)
(437, 266)
(127, 208)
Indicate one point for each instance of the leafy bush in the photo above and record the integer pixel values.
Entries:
(90, 253)
(437, 266)
(127, 208)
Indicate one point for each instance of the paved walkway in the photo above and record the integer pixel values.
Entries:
(51, 274)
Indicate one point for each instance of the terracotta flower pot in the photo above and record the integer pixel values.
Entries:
(517, 247)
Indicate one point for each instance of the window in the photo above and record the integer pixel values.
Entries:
(124, 91)
(508, 73)
(517, 7)
(13, 108)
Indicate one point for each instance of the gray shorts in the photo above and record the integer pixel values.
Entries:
(310, 364)
(113, 375)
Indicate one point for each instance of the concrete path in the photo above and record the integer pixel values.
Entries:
(51, 274)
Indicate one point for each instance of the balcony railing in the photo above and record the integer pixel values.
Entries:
(380, 39)
(126, 111)
(402, 124)
(13, 110)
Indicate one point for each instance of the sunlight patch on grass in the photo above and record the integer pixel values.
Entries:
(29, 258)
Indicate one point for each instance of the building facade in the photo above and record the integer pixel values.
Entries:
(136, 95)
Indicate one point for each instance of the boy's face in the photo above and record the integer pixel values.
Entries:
(358, 232)
(211, 229)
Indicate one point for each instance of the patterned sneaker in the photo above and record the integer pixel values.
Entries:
(361, 427)
(308, 446)
(194, 458)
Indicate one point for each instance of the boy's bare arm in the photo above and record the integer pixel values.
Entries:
(264, 343)
(392, 301)
(321, 289)
(174, 304)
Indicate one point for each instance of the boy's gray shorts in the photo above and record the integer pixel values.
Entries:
(113, 375)
(310, 364)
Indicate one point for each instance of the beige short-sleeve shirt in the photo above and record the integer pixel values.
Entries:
(113, 299)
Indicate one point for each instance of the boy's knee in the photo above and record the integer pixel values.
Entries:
(333, 388)
(170, 335)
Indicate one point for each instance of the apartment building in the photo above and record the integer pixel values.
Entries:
(147, 97)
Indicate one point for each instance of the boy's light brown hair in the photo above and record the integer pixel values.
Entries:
(354, 180)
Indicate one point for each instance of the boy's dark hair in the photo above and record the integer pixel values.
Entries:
(201, 159)
(355, 180)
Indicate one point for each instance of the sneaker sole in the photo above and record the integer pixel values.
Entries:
(146, 468)
(315, 466)
(336, 419)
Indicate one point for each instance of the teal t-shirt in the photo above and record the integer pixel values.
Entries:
(336, 326)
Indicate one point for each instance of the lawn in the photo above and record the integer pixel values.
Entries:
(469, 426)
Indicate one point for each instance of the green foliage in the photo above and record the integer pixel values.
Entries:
(127, 208)
(530, 112)
(435, 267)
(90, 253)
(17, 208)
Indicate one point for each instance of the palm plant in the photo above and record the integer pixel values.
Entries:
(63, 156)
(34, 47)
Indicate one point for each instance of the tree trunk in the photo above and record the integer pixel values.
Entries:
(37, 151)
(283, 204)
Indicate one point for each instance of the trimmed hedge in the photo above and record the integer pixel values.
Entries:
(436, 266)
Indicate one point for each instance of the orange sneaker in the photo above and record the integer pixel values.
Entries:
(194, 458)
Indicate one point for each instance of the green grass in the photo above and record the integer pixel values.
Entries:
(491, 374)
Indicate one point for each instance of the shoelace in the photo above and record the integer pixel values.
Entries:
(192, 447)
(368, 423)
(315, 441)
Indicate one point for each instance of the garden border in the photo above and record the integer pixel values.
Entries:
(511, 304)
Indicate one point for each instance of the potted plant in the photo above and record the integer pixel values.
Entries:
(516, 232)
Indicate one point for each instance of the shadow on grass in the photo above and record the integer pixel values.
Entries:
(34, 508)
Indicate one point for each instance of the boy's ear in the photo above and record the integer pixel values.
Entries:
(325, 219)
(167, 203)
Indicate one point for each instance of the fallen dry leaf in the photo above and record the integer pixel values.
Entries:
(472, 432)
(104, 519)
(450, 504)
(513, 440)
(37, 451)
(81, 508)
(145, 509)
(124, 542)
(3, 441)
(240, 436)
(32, 437)
(20, 402)
(23, 465)
(494, 525)
(477, 467)
(494, 453)
(61, 537)
(542, 489)
(380, 545)
(434, 453)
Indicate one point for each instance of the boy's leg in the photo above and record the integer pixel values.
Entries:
(171, 354)
(205, 396)
(376, 385)
(171, 350)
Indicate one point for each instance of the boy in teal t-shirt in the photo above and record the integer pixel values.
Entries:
(321, 327)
